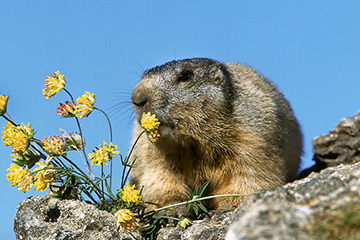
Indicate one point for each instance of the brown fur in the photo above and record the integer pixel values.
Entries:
(222, 123)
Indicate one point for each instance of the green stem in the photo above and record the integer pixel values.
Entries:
(86, 192)
(80, 186)
(84, 175)
(107, 118)
(8, 119)
(39, 143)
(133, 146)
(102, 184)
(83, 150)
(128, 159)
(111, 139)
(199, 199)
(81, 135)
(123, 180)
(72, 99)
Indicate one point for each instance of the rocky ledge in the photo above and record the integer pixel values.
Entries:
(323, 205)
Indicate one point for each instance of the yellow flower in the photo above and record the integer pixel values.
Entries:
(184, 222)
(17, 136)
(103, 154)
(13, 136)
(21, 177)
(151, 126)
(26, 181)
(67, 109)
(53, 84)
(54, 145)
(125, 220)
(130, 194)
(27, 130)
(44, 178)
(154, 135)
(149, 122)
(14, 174)
(85, 105)
(3, 104)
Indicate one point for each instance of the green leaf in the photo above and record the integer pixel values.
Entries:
(196, 209)
(188, 207)
(109, 190)
(203, 187)
(123, 161)
(202, 207)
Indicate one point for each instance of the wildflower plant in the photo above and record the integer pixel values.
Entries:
(45, 164)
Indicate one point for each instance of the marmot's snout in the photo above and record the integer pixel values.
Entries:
(140, 97)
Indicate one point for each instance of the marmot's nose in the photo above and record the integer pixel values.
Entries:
(139, 96)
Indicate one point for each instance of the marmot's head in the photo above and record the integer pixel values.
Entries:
(189, 97)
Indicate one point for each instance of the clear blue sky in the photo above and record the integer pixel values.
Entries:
(309, 49)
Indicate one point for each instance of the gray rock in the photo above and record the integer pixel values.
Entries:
(210, 228)
(49, 218)
(342, 145)
(288, 212)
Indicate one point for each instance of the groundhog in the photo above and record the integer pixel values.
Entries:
(220, 122)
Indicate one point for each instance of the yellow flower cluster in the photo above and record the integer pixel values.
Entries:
(85, 105)
(103, 154)
(67, 109)
(53, 84)
(54, 145)
(44, 178)
(154, 135)
(130, 194)
(125, 220)
(151, 125)
(3, 104)
(15, 172)
(21, 177)
(149, 122)
(17, 136)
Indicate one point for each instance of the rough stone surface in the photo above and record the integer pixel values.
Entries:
(49, 218)
(211, 228)
(341, 145)
(288, 212)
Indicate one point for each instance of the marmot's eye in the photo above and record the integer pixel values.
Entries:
(184, 76)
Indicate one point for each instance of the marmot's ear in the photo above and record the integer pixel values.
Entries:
(219, 76)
